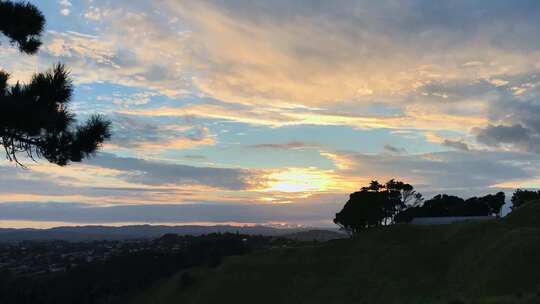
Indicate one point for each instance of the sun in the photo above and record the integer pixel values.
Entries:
(300, 180)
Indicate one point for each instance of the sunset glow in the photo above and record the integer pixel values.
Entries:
(300, 180)
(255, 103)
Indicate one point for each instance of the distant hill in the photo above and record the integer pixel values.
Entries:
(470, 262)
(92, 233)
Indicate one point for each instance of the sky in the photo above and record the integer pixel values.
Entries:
(272, 112)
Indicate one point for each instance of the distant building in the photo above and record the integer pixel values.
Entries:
(449, 219)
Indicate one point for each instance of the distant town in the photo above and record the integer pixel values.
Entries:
(31, 258)
(42, 257)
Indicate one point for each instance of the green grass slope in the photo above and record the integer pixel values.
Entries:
(482, 262)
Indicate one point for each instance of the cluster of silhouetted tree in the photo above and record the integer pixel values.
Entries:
(521, 197)
(443, 205)
(35, 119)
(398, 202)
(377, 205)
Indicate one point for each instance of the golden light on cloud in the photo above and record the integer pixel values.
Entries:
(516, 184)
(280, 117)
(300, 180)
(194, 89)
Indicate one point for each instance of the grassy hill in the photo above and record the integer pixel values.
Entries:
(487, 262)
(315, 235)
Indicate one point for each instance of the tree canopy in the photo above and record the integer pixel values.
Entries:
(520, 197)
(376, 205)
(23, 24)
(443, 205)
(35, 119)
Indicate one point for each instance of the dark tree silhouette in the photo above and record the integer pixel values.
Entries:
(445, 205)
(400, 197)
(374, 186)
(34, 118)
(496, 202)
(364, 209)
(376, 205)
(448, 205)
(490, 204)
(521, 197)
(23, 24)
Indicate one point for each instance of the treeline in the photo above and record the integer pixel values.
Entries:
(397, 202)
(443, 205)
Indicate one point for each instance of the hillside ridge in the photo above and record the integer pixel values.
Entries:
(470, 262)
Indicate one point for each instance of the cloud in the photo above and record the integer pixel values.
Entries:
(311, 214)
(453, 171)
(500, 135)
(456, 144)
(158, 173)
(448, 70)
(133, 51)
(291, 145)
(247, 53)
(256, 62)
(65, 6)
(81, 51)
(94, 13)
(109, 179)
(515, 124)
(253, 54)
(195, 157)
(511, 115)
(417, 118)
(78, 183)
(151, 136)
(395, 150)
